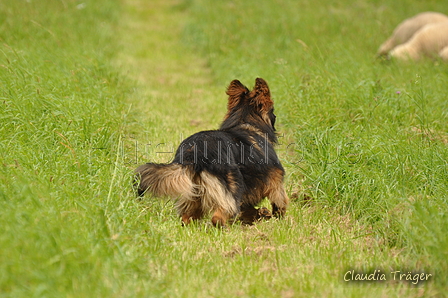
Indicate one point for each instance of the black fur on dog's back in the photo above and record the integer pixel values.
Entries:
(225, 171)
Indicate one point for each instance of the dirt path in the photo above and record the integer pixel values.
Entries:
(174, 95)
(169, 74)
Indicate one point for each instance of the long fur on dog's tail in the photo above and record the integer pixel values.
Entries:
(165, 180)
(196, 193)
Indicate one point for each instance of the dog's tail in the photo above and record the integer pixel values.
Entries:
(182, 182)
(171, 180)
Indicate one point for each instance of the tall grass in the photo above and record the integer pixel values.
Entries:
(364, 136)
(61, 108)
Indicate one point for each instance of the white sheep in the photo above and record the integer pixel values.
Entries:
(430, 41)
(425, 34)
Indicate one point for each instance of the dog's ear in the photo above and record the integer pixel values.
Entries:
(235, 91)
(261, 96)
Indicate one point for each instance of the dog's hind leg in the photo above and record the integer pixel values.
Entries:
(276, 193)
(189, 209)
(279, 201)
(220, 218)
(248, 214)
(215, 197)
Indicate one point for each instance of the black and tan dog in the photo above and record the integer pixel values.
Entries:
(226, 171)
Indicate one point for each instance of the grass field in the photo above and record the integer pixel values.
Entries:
(91, 89)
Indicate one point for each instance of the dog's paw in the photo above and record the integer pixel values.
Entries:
(264, 213)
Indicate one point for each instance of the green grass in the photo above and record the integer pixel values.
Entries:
(89, 90)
